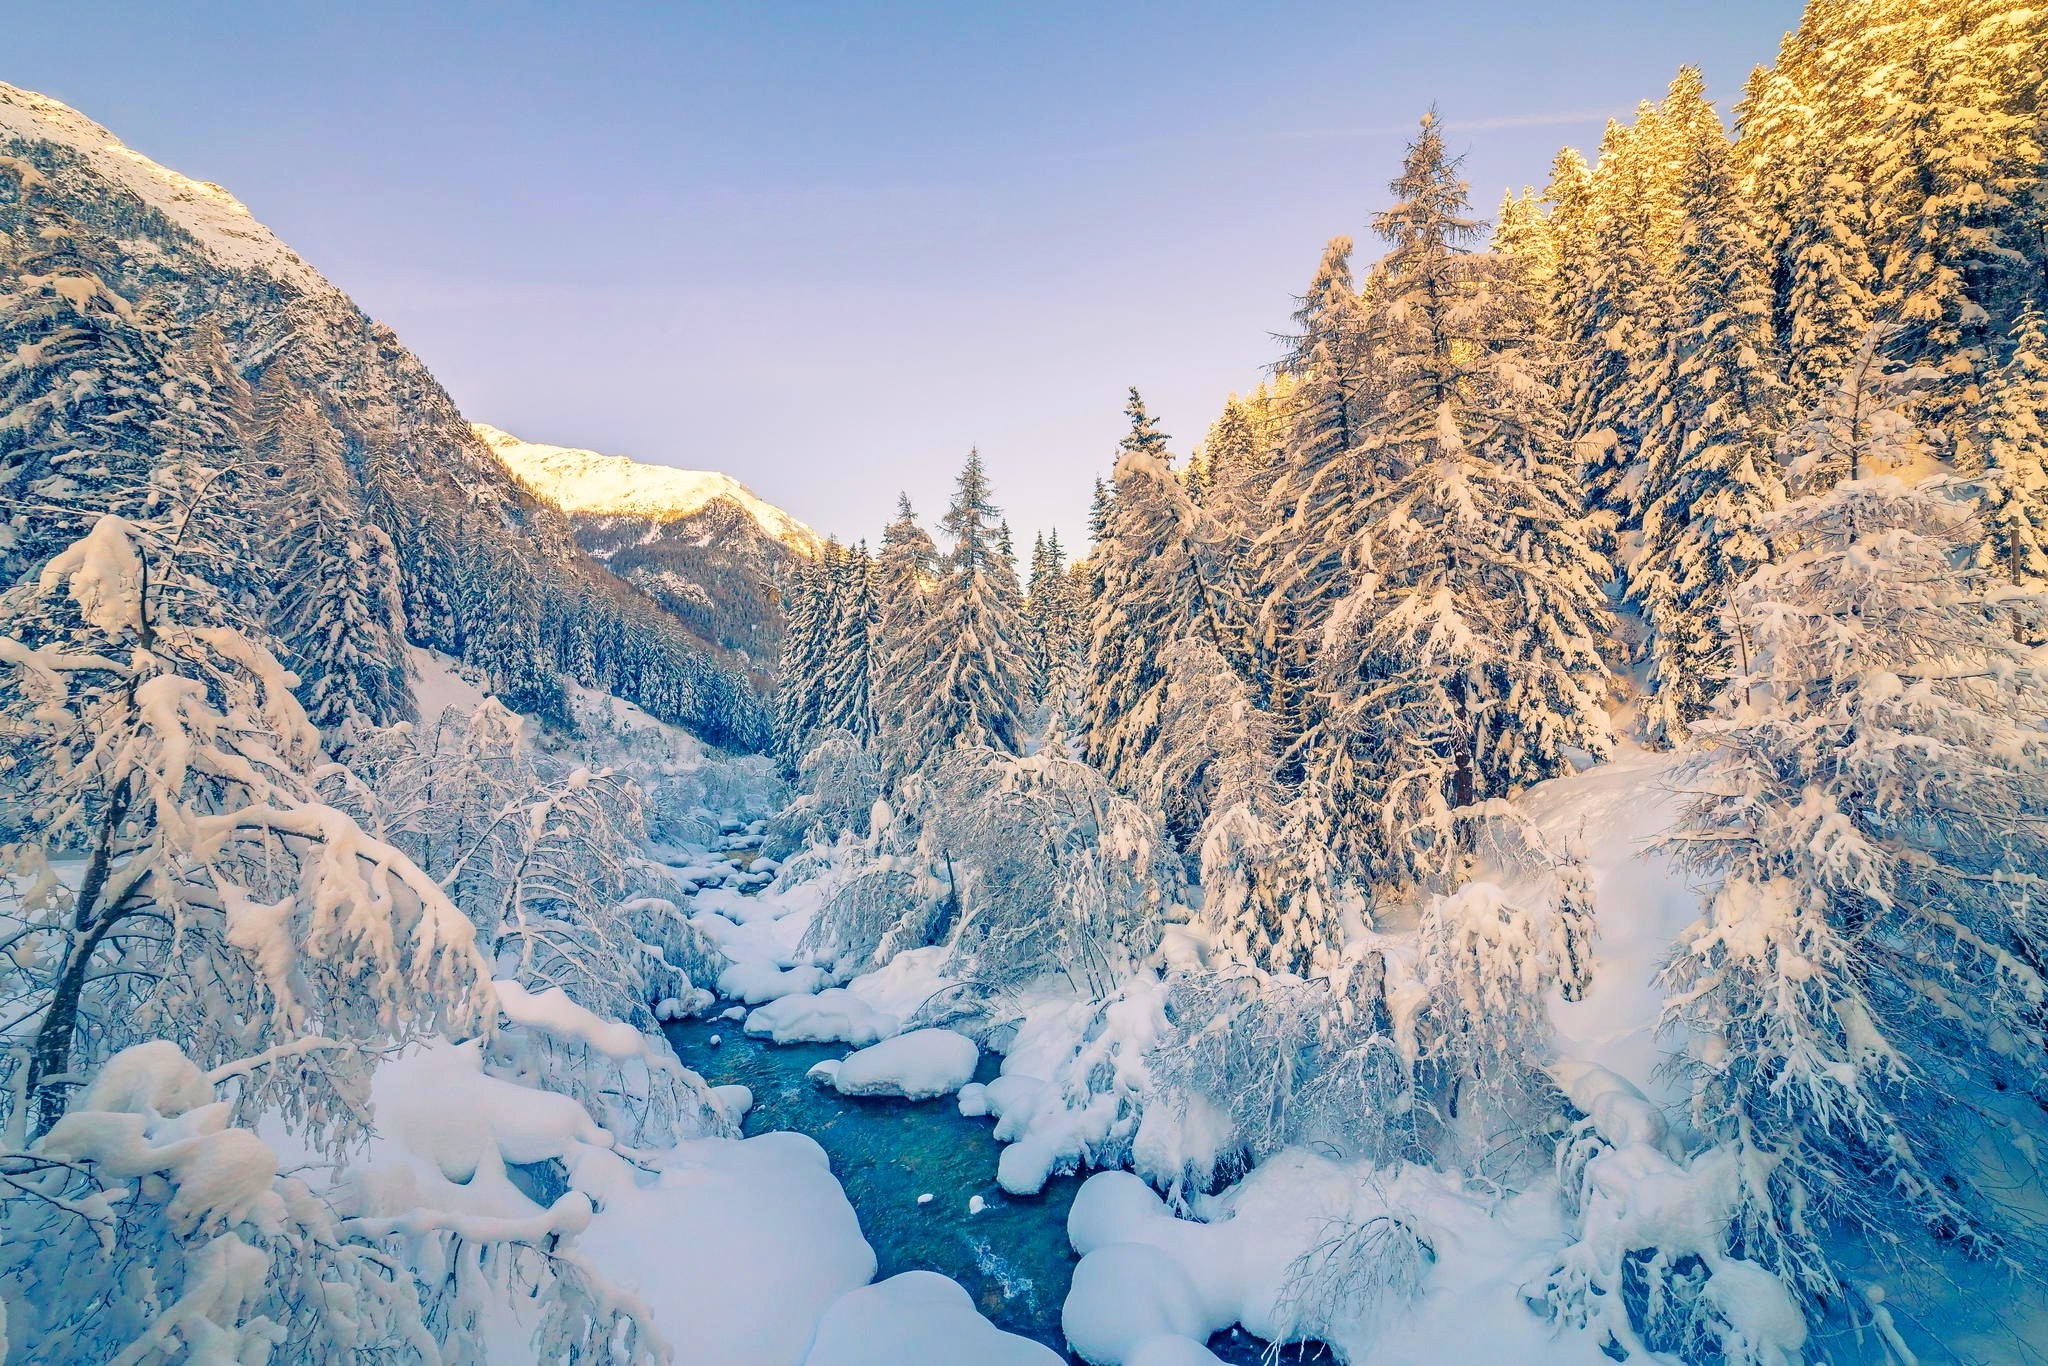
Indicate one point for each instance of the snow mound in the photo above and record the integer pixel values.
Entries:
(741, 1246)
(834, 1015)
(917, 1066)
(918, 1318)
(758, 983)
(594, 484)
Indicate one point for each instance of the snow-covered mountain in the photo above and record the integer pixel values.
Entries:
(700, 543)
(491, 572)
(213, 217)
(591, 484)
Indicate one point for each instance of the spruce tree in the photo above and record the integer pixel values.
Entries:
(1312, 502)
(807, 628)
(1166, 577)
(1710, 472)
(971, 646)
(1860, 1002)
(337, 609)
(845, 681)
(1465, 663)
(81, 383)
(905, 576)
(2013, 434)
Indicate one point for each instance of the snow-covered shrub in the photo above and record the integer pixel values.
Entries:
(169, 871)
(1862, 1002)
(544, 859)
(838, 784)
(631, 1083)
(1052, 870)
(1362, 1268)
(1249, 1063)
(1489, 965)
(1648, 1270)
(146, 1227)
(687, 808)
(878, 909)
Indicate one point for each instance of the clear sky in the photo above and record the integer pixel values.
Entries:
(827, 248)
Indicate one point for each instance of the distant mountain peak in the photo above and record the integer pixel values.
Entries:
(591, 484)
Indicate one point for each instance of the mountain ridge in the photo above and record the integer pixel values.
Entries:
(589, 483)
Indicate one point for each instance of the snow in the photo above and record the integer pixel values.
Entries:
(834, 1015)
(439, 685)
(593, 484)
(219, 222)
(757, 983)
(1144, 1272)
(918, 1318)
(1125, 1294)
(916, 1066)
(741, 1245)
(1642, 901)
(552, 1012)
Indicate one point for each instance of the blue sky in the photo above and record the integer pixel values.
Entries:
(829, 247)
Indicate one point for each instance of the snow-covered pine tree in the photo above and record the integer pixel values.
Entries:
(1465, 664)
(845, 678)
(1166, 575)
(1710, 471)
(1059, 633)
(81, 369)
(1612, 309)
(1809, 208)
(976, 679)
(1861, 1002)
(906, 572)
(2013, 436)
(807, 631)
(336, 608)
(1235, 465)
(1311, 510)
(1953, 143)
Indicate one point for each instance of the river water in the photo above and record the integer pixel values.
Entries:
(1012, 1255)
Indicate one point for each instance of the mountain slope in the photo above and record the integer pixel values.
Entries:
(490, 572)
(700, 543)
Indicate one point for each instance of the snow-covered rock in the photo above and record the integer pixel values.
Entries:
(917, 1066)
(834, 1015)
(758, 983)
(918, 1318)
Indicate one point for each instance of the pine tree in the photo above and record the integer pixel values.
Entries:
(81, 383)
(337, 607)
(1612, 310)
(1311, 505)
(906, 573)
(1165, 577)
(2013, 434)
(1867, 975)
(1465, 663)
(1235, 466)
(845, 681)
(807, 629)
(971, 647)
(1710, 472)
(1950, 165)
